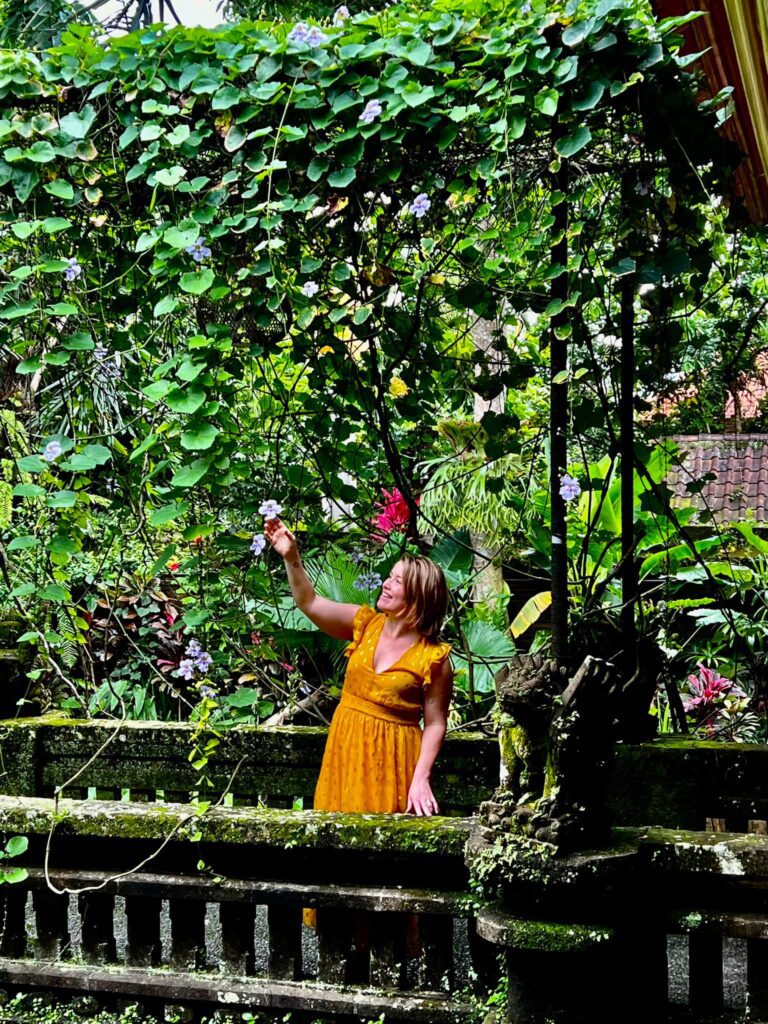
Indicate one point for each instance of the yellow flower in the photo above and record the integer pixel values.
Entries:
(437, 278)
(398, 388)
(325, 350)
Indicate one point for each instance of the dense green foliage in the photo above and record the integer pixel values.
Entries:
(249, 263)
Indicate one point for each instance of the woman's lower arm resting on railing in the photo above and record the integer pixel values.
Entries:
(437, 700)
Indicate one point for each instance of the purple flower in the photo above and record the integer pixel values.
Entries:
(420, 205)
(526, 8)
(270, 509)
(316, 37)
(368, 581)
(341, 15)
(199, 251)
(570, 488)
(186, 669)
(196, 660)
(52, 451)
(73, 270)
(372, 110)
(298, 33)
(357, 557)
(208, 692)
(259, 543)
(203, 662)
(310, 288)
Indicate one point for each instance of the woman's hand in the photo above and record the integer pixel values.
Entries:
(281, 538)
(421, 799)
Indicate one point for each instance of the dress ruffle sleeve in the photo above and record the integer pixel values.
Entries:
(363, 616)
(435, 656)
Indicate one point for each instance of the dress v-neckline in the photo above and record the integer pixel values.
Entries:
(383, 671)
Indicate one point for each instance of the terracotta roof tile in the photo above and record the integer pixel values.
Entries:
(739, 462)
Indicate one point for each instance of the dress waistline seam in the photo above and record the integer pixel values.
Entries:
(370, 708)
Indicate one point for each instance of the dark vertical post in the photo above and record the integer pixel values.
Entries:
(629, 572)
(705, 970)
(558, 391)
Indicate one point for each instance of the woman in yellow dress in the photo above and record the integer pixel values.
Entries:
(377, 757)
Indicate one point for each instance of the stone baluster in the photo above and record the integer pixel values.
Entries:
(436, 959)
(705, 972)
(143, 948)
(187, 934)
(237, 922)
(51, 924)
(97, 927)
(284, 925)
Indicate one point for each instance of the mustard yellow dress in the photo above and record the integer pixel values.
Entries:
(375, 739)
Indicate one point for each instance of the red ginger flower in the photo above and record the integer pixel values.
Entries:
(394, 515)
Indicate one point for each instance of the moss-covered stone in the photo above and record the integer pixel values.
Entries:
(504, 929)
(679, 782)
(276, 764)
(712, 853)
(392, 833)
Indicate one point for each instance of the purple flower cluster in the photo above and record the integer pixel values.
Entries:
(199, 251)
(197, 660)
(306, 35)
(357, 557)
(368, 581)
(52, 451)
(570, 488)
(208, 692)
(372, 110)
(74, 269)
(420, 205)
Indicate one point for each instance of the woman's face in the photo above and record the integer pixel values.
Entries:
(392, 597)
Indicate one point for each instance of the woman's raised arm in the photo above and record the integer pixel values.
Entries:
(332, 617)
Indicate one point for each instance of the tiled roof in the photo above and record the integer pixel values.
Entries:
(751, 392)
(738, 464)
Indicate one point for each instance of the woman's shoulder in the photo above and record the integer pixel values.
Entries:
(434, 654)
(364, 616)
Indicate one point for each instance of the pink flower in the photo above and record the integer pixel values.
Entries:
(394, 515)
(707, 689)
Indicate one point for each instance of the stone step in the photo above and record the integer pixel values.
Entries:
(233, 993)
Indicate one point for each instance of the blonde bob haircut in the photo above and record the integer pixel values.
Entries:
(426, 594)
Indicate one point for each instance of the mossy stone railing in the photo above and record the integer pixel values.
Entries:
(152, 925)
(394, 928)
(272, 767)
(678, 782)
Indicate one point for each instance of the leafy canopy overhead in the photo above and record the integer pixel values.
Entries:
(286, 215)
